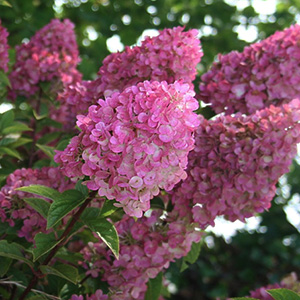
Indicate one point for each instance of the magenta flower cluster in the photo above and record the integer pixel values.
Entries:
(237, 161)
(12, 206)
(147, 246)
(264, 73)
(50, 55)
(170, 56)
(3, 49)
(134, 143)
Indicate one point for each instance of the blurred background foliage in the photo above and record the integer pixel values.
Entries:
(247, 260)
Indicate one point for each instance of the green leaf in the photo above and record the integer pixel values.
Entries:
(3, 76)
(10, 152)
(6, 141)
(191, 257)
(90, 213)
(49, 151)
(283, 294)
(64, 204)
(19, 142)
(40, 205)
(63, 144)
(107, 232)
(194, 253)
(49, 137)
(4, 266)
(154, 287)
(5, 3)
(16, 128)
(6, 119)
(44, 243)
(64, 271)
(41, 190)
(13, 251)
(108, 208)
(81, 188)
(157, 202)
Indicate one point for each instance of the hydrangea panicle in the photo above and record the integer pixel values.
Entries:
(134, 143)
(3, 49)
(237, 161)
(12, 205)
(50, 55)
(170, 56)
(264, 73)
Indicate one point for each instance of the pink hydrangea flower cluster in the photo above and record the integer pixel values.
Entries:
(290, 282)
(3, 48)
(264, 73)
(170, 56)
(50, 55)
(97, 296)
(147, 246)
(237, 161)
(12, 206)
(134, 143)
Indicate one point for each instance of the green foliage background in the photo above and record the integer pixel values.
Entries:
(249, 260)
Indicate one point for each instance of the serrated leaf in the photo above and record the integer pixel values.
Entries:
(90, 213)
(44, 243)
(49, 151)
(64, 271)
(40, 205)
(81, 188)
(4, 266)
(283, 294)
(3, 77)
(13, 251)
(154, 287)
(65, 203)
(6, 119)
(41, 190)
(107, 232)
(108, 208)
(10, 152)
(16, 128)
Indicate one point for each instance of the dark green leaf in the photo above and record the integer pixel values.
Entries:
(283, 294)
(90, 213)
(6, 119)
(19, 142)
(5, 3)
(154, 287)
(191, 257)
(81, 188)
(156, 202)
(16, 128)
(108, 208)
(65, 203)
(64, 271)
(107, 232)
(13, 251)
(49, 151)
(44, 243)
(41, 190)
(10, 152)
(4, 266)
(3, 76)
(49, 137)
(40, 205)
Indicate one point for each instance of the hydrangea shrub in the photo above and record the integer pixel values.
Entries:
(107, 202)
